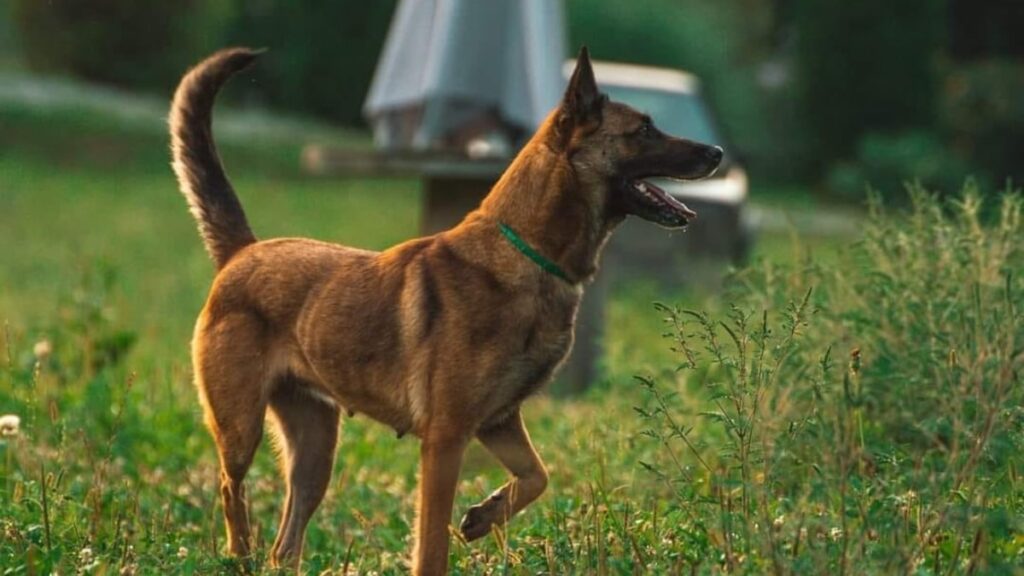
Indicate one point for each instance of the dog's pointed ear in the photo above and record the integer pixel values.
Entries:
(582, 100)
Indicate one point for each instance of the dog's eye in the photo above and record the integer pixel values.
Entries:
(647, 129)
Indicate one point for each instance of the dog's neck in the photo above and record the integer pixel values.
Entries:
(555, 210)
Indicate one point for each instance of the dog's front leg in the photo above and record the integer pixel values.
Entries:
(440, 461)
(510, 443)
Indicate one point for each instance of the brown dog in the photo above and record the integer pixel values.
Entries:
(442, 336)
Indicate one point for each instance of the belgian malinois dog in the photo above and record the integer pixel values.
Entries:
(442, 337)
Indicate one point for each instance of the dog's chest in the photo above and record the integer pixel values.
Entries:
(534, 351)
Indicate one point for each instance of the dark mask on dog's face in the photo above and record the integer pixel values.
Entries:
(623, 147)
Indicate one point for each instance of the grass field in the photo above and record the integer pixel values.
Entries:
(99, 246)
(111, 472)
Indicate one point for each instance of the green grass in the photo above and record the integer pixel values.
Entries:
(57, 223)
(101, 260)
(101, 257)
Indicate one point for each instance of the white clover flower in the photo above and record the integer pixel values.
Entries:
(779, 521)
(835, 534)
(182, 552)
(42, 349)
(10, 425)
(85, 555)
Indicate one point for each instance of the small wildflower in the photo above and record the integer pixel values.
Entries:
(779, 521)
(9, 425)
(127, 570)
(182, 552)
(388, 560)
(85, 555)
(835, 534)
(42, 349)
(9, 531)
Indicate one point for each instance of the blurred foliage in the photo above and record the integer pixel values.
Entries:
(989, 29)
(979, 132)
(886, 161)
(866, 66)
(883, 99)
(838, 93)
(983, 113)
(324, 52)
(136, 43)
(7, 48)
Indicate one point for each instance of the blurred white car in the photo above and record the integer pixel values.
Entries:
(721, 232)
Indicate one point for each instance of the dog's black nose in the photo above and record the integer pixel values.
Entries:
(714, 153)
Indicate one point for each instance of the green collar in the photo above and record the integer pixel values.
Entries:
(529, 252)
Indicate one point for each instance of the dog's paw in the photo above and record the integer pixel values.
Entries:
(476, 523)
(478, 519)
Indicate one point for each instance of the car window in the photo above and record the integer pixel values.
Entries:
(673, 112)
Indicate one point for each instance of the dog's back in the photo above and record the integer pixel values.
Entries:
(358, 327)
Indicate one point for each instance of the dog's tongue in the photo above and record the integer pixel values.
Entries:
(672, 202)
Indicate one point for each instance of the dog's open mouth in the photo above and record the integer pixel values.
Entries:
(654, 204)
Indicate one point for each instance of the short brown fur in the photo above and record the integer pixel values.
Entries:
(440, 337)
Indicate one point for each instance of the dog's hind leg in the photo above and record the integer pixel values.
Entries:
(306, 434)
(510, 443)
(231, 372)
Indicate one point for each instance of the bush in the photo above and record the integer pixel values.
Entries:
(134, 43)
(860, 419)
(885, 162)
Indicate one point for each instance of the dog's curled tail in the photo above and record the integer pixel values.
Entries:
(201, 177)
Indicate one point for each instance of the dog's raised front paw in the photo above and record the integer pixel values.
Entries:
(478, 519)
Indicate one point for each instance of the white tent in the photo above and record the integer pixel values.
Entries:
(457, 70)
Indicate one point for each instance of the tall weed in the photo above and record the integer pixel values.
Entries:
(865, 418)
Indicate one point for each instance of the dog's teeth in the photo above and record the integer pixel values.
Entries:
(641, 186)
